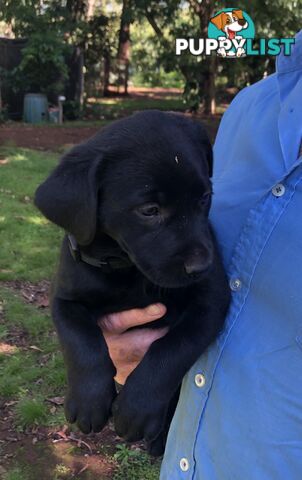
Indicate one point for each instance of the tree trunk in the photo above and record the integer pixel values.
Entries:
(107, 65)
(124, 44)
(205, 11)
(209, 105)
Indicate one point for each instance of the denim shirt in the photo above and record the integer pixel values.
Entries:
(239, 415)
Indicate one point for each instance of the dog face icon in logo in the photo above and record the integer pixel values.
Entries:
(235, 25)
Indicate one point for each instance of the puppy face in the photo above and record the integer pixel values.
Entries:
(230, 22)
(153, 194)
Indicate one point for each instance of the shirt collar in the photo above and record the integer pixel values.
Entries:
(288, 63)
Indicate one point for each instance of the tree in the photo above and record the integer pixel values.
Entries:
(172, 18)
(124, 41)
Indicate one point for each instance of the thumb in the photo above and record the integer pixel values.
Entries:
(121, 321)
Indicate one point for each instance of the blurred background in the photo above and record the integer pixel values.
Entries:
(67, 68)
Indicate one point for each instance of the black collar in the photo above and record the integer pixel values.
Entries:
(107, 264)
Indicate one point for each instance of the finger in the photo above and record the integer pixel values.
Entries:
(122, 321)
(140, 340)
(133, 344)
(124, 372)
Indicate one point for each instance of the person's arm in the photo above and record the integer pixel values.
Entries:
(127, 348)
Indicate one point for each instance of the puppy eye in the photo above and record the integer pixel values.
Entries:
(149, 210)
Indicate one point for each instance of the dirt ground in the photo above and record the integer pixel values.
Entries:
(57, 137)
(51, 453)
(43, 138)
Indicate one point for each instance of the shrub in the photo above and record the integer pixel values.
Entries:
(42, 68)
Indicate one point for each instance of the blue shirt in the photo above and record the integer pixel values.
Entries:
(239, 415)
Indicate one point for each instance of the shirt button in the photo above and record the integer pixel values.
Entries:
(235, 284)
(200, 380)
(278, 190)
(184, 464)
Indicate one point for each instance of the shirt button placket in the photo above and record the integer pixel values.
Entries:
(235, 284)
(200, 380)
(278, 190)
(184, 464)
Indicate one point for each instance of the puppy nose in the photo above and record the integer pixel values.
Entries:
(198, 262)
(194, 268)
(241, 22)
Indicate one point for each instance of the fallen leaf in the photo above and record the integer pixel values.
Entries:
(56, 401)
(33, 347)
(12, 402)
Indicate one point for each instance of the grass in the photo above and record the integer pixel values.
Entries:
(135, 464)
(112, 108)
(33, 373)
(16, 473)
(98, 111)
(30, 412)
(29, 243)
(31, 364)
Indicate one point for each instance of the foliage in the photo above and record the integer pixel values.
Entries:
(72, 110)
(134, 464)
(30, 412)
(43, 68)
(15, 474)
(154, 27)
(147, 64)
(171, 19)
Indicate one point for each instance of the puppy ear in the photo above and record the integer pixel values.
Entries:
(68, 197)
(239, 14)
(219, 20)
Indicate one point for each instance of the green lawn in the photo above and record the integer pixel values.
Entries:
(116, 107)
(29, 243)
(31, 365)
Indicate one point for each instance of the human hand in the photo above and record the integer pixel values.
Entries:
(127, 348)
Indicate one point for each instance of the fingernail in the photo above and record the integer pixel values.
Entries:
(155, 309)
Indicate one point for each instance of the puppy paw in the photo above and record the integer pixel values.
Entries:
(89, 405)
(156, 447)
(139, 418)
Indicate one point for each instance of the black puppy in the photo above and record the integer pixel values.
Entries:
(134, 201)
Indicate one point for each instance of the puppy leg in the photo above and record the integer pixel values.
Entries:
(140, 410)
(90, 371)
(156, 447)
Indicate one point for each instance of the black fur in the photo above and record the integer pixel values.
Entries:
(99, 193)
